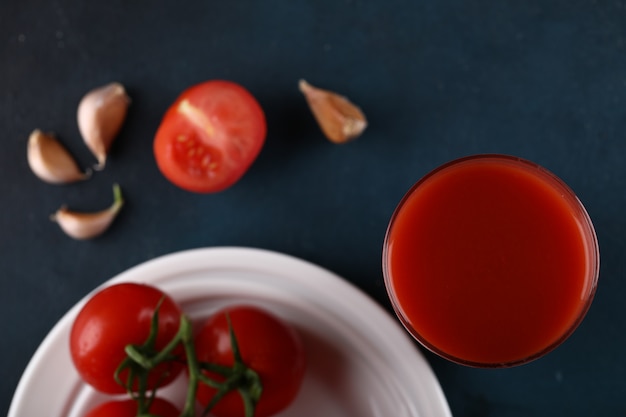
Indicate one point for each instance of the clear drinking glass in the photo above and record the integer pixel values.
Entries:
(490, 261)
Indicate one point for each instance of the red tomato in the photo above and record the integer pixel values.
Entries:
(210, 136)
(267, 345)
(128, 408)
(113, 318)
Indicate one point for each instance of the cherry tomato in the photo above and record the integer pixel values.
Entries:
(128, 408)
(267, 345)
(210, 136)
(113, 318)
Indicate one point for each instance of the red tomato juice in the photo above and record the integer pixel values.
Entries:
(490, 261)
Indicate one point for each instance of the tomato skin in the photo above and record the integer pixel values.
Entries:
(128, 408)
(117, 316)
(210, 136)
(267, 345)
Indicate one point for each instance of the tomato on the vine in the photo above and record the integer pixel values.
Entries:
(128, 408)
(115, 317)
(210, 136)
(267, 344)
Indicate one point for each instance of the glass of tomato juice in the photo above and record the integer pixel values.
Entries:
(490, 261)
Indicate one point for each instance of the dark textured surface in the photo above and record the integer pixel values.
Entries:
(438, 79)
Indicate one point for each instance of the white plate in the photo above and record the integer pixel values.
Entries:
(360, 360)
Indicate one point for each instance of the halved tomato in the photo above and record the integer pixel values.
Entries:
(210, 136)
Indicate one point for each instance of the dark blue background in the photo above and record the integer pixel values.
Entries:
(438, 79)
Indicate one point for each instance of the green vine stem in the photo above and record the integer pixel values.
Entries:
(142, 359)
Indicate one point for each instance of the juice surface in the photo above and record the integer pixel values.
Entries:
(488, 262)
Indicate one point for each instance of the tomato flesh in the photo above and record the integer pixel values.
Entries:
(128, 408)
(113, 318)
(210, 136)
(267, 345)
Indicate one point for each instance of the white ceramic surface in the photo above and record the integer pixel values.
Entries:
(360, 360)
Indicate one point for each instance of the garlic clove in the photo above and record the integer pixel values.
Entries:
(339, 119)
(81, 226)
(101, 114)
(50, 161)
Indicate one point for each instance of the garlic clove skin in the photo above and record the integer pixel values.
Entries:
(340, 120)
(50, 161)
(101, 114)
(82, 226)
